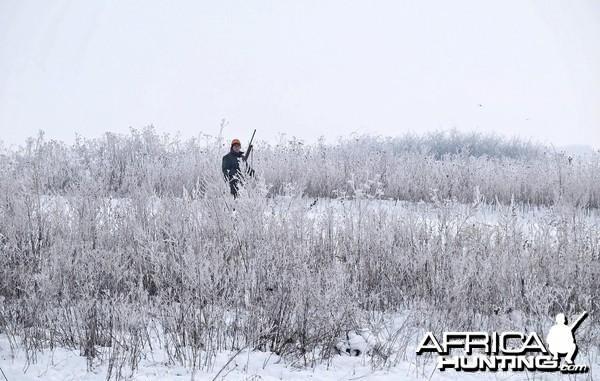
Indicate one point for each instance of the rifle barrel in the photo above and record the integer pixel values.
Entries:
(249, 147)
(579, 320)
(252, 138)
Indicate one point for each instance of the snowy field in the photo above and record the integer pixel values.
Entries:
(62, 364)
(397, 334)
(247, 365)
(126, 258)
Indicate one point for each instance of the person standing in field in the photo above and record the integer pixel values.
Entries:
(231, 166)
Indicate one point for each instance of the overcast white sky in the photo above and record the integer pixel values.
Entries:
(303, 68)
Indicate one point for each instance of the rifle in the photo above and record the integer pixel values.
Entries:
(574, 325)
(247, 155)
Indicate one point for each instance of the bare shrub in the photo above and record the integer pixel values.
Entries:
(118, 245)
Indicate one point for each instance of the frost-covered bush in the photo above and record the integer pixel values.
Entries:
(109, 244)
(450, 164)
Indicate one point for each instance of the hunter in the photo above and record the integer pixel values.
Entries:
(231, 166)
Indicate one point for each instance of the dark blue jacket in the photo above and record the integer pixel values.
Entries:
(231, 164)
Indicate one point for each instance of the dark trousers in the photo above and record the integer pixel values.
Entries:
(233, 186)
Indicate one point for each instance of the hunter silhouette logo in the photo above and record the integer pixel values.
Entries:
(514, 351)
(561, 339)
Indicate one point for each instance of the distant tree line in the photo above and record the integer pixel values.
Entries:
(445, 165)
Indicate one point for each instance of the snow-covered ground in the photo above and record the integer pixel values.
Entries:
(64, 364)
(155, 364)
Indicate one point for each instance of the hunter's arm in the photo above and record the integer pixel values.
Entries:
(224, 167)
